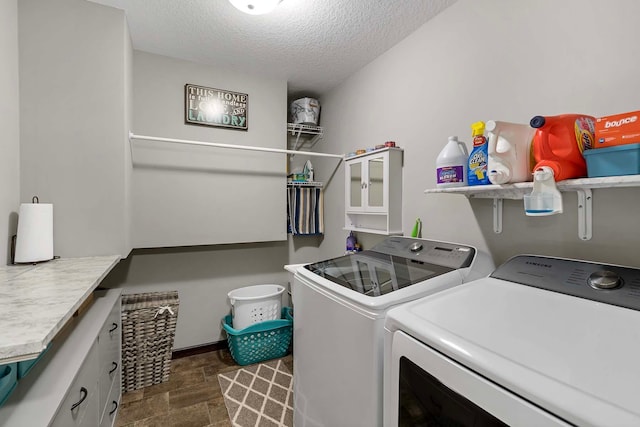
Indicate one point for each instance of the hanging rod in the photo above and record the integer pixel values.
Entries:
(235, 147)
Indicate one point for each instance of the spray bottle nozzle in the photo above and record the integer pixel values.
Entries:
(477, 128)
(545, 199)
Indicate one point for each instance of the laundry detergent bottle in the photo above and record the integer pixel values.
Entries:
(451, 164)
(559, 142)
(509, 149)
(477, 167)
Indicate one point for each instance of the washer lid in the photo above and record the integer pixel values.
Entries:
(393, 264)
(577, 358)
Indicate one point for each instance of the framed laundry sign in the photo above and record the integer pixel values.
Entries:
(215, 107)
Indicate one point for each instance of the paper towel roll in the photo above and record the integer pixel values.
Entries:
(35, 233)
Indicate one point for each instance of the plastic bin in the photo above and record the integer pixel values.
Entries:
(253, 304)
(261, 341)
(25, 366)
(613, 161)
(148, 330)
(305, 111)
(8, 380)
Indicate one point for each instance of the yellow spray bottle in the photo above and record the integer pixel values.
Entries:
(477, 167)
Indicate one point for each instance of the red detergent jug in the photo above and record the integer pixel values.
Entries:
(559, 142)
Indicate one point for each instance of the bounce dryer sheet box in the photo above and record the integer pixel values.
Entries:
(618, 130)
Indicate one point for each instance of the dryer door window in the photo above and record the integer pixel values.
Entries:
(425, 401)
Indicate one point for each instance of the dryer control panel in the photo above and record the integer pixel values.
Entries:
(606, 283)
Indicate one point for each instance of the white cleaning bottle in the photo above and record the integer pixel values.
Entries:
(451, 164)
(509, 152)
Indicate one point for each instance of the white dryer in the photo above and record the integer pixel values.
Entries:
(339, 311)
(541, 342)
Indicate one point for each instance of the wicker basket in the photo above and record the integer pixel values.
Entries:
(148, 329)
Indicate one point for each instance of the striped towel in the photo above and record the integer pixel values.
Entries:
(305, 213)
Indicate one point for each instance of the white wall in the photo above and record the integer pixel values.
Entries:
(500, 60)
(73, 121)
(185, 195)
(9, 124)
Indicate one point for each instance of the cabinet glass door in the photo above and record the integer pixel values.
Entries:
(355, 188)
(376, 182)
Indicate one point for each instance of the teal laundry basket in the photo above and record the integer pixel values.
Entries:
(8, 380)
(260, 341)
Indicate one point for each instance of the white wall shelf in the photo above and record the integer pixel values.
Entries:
(305, 133)
(304, 184)
(581, 186)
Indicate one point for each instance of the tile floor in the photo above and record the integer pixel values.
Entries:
(191, 397)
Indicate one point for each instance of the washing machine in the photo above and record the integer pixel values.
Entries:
(339, 310)
(542, 341)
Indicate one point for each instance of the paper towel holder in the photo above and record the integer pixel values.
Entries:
(34, 240)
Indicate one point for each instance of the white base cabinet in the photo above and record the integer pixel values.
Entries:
(77, 381)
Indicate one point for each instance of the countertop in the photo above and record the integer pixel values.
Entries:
(36, 300)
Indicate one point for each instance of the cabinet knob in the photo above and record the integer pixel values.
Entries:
(115, 366)
(114, 327)
(83, 393)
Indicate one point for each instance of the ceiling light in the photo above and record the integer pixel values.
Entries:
(255, 7)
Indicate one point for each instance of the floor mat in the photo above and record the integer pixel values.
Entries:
(259, 395)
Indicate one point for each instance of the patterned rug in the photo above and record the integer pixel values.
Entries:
(259, 395)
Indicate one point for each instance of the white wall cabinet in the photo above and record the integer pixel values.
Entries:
(83, 164)
(373, 192)
(77, 381)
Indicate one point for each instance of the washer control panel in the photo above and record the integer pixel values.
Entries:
(610, 284)
(433, 252)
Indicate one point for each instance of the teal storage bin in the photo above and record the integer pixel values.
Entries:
(260, 341)
(613, 161)
(25, 366)
(8, 380)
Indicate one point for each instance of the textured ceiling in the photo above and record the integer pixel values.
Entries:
(313, 44)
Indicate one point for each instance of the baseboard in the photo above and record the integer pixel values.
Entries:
(191, 351)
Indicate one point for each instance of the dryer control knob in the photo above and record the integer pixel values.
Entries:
(604, 280)
(415, 246)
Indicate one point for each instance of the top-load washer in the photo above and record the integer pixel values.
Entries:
(540, 342)
(339, 310)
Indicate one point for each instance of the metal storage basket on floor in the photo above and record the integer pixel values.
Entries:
(148, 329)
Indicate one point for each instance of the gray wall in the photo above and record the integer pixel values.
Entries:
(73, 121)
(203, 276)
(421, 91)
(500, 60)
(9, 124)
(185, 195)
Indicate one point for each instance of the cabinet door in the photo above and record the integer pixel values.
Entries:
(376, 186)
(113, 402)
(109, 344)
(80, 406)
(355, 185)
